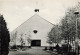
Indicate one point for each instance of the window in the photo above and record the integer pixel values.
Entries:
(35, 31)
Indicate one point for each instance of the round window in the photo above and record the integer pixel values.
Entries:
(35, 31)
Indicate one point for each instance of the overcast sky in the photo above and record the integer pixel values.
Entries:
(16, 12)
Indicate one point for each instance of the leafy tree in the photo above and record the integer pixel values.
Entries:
(67, 29)
(69, 24)
(54, 36)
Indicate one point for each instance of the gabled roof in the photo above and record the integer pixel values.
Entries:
(35, 15)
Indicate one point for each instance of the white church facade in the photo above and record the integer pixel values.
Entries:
(33, 32)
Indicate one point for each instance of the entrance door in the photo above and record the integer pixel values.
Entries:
(36, 43)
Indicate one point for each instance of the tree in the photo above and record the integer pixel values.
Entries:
(29, 40)
(4, 36)
(29, 37)
(69, 24)
(22, 40)
(54, 36)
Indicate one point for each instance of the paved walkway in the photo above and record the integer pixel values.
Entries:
(32, 51)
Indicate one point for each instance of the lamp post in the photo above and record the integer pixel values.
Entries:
(76, 37)
(76, 15)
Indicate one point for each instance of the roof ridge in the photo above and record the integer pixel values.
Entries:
(46, 20)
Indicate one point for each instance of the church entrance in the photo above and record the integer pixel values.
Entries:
(36, 43)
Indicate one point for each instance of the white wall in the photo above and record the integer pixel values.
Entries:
(34, 23)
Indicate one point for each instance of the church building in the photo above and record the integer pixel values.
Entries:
(32, 32)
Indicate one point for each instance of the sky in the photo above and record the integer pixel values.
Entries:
(15, 12)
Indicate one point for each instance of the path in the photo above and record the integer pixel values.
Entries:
(32, 51)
